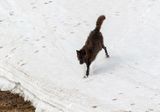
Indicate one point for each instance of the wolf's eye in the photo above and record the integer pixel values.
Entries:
(80, 57)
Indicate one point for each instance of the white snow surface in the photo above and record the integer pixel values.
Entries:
(38, 42)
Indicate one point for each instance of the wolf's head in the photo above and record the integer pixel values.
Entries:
(81, 55)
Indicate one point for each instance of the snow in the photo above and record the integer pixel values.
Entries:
(38, 42)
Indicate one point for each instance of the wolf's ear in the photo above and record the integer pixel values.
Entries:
(77, 51)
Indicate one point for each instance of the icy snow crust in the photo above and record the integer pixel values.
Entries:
(38, 39)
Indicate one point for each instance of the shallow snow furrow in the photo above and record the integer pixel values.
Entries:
(64, 103)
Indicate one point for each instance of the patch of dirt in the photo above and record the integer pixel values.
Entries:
(14, 103)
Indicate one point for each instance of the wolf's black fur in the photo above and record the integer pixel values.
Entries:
(93, 45)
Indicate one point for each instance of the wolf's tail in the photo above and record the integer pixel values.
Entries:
(99, 22)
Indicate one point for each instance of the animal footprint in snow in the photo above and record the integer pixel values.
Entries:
(120, 93)
(132, 104)
(117, 13)
(77, 24)
(12, 50)
(37, 40)
(34, 7)
(71, 32)
(115, 99)
(32, 3)
(86, 23)
(150, 109)
(11, 13)
(42, 36)
(6, 56)
(127, 111)
(23, 64)
(26, 39)
(94, 106)
(48, 2)
(123, 111)
(45, 2)
(36, 51)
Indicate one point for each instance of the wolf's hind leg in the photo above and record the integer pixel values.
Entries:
(106, 52)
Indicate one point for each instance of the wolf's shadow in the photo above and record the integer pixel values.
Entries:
(107, 65)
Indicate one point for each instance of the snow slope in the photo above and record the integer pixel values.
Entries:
(38, 39)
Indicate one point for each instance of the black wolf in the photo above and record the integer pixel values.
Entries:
(93, 45)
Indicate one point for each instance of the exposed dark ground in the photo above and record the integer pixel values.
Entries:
(14, 103)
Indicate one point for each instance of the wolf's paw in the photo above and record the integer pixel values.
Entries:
(107, 56)
(85, 76)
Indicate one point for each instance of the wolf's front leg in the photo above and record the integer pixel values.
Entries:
(88, 68)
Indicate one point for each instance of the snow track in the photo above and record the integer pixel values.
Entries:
(62, 101)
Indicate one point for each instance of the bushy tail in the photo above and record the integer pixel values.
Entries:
(99, 22)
